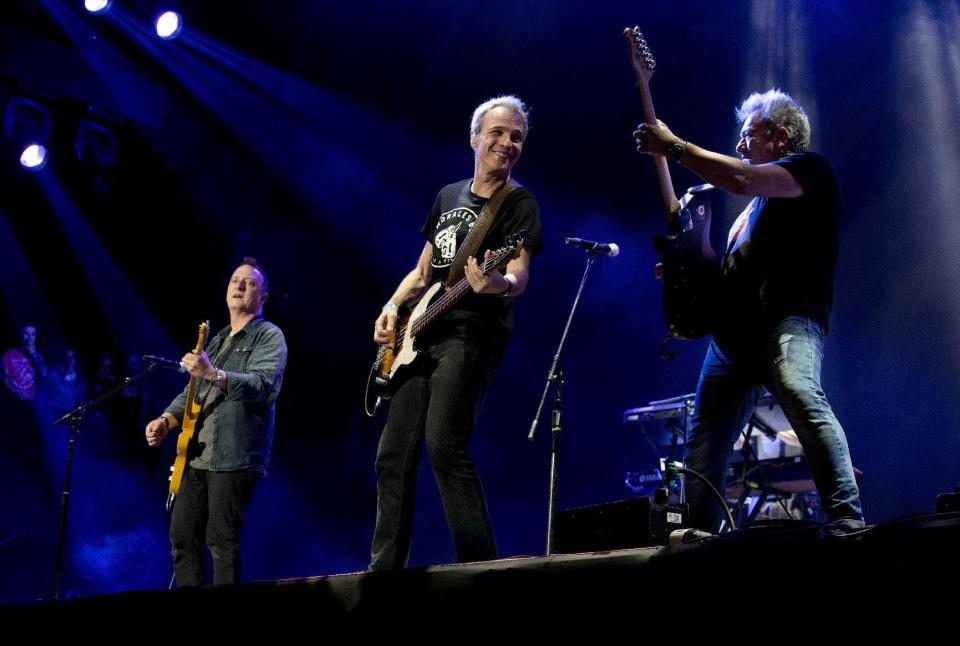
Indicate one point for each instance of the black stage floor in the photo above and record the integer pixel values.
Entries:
(898, 574)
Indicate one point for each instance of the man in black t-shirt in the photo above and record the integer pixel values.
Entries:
(776, 292)
(440, 393)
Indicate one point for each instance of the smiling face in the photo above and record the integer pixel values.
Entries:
(498, 142)
(245, 293)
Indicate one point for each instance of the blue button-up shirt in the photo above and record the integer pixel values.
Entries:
(234, 430)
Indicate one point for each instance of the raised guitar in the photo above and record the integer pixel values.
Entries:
(691, 268)
(402, 348)
(187, 425)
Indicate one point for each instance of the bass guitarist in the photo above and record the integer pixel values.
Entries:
(775, 296)
(438, 396)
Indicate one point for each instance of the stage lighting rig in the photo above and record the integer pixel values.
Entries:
(27, 123)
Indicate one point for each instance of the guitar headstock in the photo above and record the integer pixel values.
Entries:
(641, 58)
(512, 246)
(202, 337)
(515, 241)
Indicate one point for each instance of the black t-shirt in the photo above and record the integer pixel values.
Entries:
(782, 264)
(454, 213)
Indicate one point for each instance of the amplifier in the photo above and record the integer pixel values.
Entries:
(636, 522)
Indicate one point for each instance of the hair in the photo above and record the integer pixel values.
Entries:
(506, 101)
(251, 261)
(777, 109)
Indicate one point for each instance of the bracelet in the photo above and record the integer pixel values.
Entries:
(390, 306)
(165, 421)
(221, 379)
(510, 285)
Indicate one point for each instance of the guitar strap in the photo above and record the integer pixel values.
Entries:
(488, 214)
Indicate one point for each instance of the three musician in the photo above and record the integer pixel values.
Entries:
(775, 290)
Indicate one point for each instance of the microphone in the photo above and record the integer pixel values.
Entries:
(610, 249)
(164, 363)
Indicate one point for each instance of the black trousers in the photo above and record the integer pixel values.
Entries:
(209, 510)
(439, 401)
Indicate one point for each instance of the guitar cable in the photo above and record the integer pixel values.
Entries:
(366, 394)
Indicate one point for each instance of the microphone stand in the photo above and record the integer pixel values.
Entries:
(75, 417)
(555, 376)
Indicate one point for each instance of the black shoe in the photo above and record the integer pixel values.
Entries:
(843, 527)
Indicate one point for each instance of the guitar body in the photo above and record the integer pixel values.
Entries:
(395, 356)
(187, 426)
(691, 269)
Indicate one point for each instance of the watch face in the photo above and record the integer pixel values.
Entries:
(676, 150)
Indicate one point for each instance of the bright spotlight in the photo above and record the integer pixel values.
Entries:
(97, 6)
(34, 157)
(169, 25)
(27, 123)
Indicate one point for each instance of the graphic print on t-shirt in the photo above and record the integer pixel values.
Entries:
(450, 233)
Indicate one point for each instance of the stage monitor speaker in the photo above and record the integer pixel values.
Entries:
(623, 524)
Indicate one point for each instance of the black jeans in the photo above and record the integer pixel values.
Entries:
(439, 399)
(209, 509)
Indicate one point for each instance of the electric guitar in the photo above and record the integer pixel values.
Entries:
(187, 425)
(402, 349)
(691, 269)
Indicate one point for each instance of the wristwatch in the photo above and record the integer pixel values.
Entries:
(676, 150)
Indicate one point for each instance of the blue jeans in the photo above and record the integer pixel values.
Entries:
(439, 400)
(787, 361)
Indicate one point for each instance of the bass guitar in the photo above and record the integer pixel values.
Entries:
(402, 349)
(691, 269)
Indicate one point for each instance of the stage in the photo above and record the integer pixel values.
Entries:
(770, 569)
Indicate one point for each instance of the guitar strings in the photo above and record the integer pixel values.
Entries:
(445, 301)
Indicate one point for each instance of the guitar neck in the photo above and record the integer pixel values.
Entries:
(667, 197)
(189, 412)
(443, 304)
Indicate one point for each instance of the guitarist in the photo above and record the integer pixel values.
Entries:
(776, 291)
(439, 395)
(239, 374)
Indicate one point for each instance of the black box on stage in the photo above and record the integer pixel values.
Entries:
(947, 502)
(637, 522)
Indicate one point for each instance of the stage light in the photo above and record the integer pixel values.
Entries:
(97, 6)
(27, 123)
(34, 157)
(96, 149)
(169, 25)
